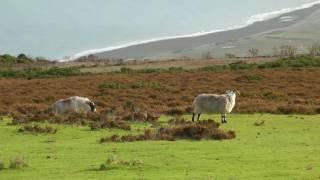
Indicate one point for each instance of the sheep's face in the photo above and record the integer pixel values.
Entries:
(92, 106)
(236, 92)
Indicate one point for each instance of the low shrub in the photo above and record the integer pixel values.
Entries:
(31, 73)
(175, 111)
(259, 123)
(35, 129)
(241, 65)
(215, 68)
(178, 129)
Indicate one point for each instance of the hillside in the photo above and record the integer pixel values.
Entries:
(298, 28)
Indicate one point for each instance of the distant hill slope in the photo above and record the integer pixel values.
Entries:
(299, 28)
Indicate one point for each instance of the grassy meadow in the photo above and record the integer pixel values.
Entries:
(276, 120)
(283, 147)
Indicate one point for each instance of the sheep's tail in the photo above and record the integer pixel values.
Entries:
(52, 109)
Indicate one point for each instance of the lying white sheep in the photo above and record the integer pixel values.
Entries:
(214, 103)
(75, 104)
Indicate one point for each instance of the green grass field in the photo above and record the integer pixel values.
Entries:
(285, 147)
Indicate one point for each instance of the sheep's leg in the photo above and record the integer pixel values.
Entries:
(223, 118)
(199, 116)
(193, 114)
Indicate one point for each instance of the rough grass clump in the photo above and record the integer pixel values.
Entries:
(137, 85)
(141, 116)
(26, 113)
(249, 78)
(214, 68)
(18, 163)
(71, 118)
(241, 65)
(176, 111)
(109, 124)
(291, 109)
(178, 129)
(259, 123)
(35, 129)
(113, 162)
(111, 85)
(1, 165)
(106, 120)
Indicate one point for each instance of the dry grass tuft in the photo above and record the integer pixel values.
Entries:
(114, 162)
(259, 123)
(18, 163)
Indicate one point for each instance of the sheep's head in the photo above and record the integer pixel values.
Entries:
(236, 92)
(92, 106)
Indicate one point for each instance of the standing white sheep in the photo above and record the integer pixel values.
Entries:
(75, 104)
(214, 103)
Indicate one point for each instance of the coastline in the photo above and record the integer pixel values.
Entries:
(167, 48)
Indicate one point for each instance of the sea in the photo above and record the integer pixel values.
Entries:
(67, 29)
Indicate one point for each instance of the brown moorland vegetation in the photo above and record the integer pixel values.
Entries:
(284, 90)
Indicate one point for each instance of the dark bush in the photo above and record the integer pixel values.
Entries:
(178, 129)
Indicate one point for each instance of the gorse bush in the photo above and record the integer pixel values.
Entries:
(21, 58)
(31, 73)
